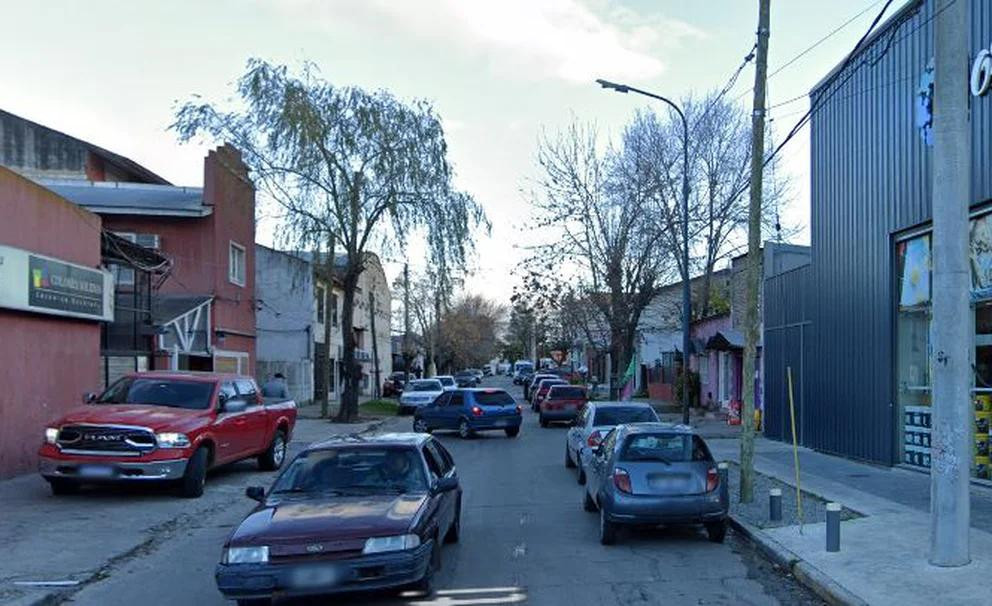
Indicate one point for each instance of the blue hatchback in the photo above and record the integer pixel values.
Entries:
(470, 410)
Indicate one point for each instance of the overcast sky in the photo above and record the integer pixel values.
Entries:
(498, 72)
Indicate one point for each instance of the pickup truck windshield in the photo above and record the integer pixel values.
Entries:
(352, 470)
(194, 395)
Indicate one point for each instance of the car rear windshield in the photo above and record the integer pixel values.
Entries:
(546, 384)
(665, 447)
(174, 393)
(567, 393)
(617, 416)
(354, 470)
(494, 398)
(447, 381)
(425, 386)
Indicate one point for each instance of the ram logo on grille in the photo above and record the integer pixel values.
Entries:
(103, 437)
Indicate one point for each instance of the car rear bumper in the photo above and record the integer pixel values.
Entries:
(645, 509)
(366, 573)
(121, 471)
(484, 424)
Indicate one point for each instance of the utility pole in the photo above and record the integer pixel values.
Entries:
(950, 457)
(407, 349)
(754, 253)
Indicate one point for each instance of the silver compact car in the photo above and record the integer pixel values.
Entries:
(594, 422)
(652, 474)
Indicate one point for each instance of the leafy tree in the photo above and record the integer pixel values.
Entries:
(350, 170)
(469, 333)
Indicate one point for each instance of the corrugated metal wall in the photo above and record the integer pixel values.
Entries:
(871, 180)
(787, 340)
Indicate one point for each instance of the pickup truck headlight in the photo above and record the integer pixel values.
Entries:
(246, 555)
(51, 434)
(394, 543)
(172, 440)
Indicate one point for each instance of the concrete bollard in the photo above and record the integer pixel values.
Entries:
(833, 526)
(723, 469)
(775, 504)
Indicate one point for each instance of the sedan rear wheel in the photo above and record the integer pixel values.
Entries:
(607, 529)
(420, 426)
(512, 432)
(464, 431)
(544, 422)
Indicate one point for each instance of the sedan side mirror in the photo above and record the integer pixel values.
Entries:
(255, 493)
(89, 397)
(445, 485)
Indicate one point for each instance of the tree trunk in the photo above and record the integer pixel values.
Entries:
(348, 412)
(325, 402)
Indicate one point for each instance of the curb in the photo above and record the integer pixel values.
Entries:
(807, 574)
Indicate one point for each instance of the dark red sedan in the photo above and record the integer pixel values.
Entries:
(350, 514)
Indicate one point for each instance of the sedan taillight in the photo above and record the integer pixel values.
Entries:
(621, 479)
(594, 439)
(712, 479)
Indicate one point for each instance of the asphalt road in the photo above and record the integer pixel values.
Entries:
(525, 539)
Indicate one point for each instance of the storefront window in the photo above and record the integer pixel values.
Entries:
(913, 346)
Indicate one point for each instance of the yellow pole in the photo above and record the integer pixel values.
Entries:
(795, 452)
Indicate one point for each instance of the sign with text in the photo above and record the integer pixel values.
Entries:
(40, 284)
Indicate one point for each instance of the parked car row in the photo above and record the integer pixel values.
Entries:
(638, 471)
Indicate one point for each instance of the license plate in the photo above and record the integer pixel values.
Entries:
(96, 471)
(311, 577)
(502, 423)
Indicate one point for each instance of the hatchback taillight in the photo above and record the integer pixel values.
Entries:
(712, 479)
(477, 411)
(621, 479)
(519, 410)
(594, 439)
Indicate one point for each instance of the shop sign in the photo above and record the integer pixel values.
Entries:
(981, 73)
(40, 284)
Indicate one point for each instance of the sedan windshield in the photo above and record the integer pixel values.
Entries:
(425, 386)
(174, 393)
(354, 470)
(617, 416)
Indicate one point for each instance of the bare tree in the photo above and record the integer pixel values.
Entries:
(593, 214)
(350, 169)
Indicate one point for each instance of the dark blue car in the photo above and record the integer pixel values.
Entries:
(470, 410)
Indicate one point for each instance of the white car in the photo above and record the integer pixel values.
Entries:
(447, 382)
(419, 392)
(594, 422)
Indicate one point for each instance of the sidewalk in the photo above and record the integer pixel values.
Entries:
(883, 557)
(57, 544)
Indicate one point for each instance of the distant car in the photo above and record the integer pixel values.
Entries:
(419, 392)
(469, 411)
(393, 385)
(522, 368)
(447, 382)
(531, 382)
(520, 376)
(562, 403)
(466, 378)
(654, 473)
(478, 372)
(594, 422)
(487, 370)
(347, 515)
(540, 390)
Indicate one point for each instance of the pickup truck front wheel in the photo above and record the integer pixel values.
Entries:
(272, 459)
(191, 486)
(63, 486)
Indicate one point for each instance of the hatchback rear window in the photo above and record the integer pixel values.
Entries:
(494, 398)
(565, 392)
(617, 416)
(665, 447)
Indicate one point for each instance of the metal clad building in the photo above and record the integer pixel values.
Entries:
(864, 383)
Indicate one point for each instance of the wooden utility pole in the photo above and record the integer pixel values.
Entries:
(407, 349)
(375, 346)
(754, 254)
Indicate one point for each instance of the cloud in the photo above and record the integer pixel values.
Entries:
(571, 40)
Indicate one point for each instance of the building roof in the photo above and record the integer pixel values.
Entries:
(118, 198)
(125, 163)
(726, 340)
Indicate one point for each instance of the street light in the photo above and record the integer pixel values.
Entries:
(686, 300)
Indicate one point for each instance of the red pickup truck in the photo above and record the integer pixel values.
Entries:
(166, 426)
